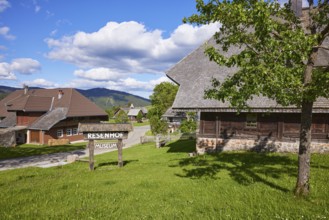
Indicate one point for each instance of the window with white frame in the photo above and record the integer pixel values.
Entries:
(60, 133)
(251, 121)
(75, 131)
(69, 132)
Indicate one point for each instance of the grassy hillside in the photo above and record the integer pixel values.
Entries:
(106, 98)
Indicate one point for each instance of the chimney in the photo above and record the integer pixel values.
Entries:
(296, 7)
(26, 88)
(60, 94)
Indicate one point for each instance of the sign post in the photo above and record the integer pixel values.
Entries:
(120, 145)
(91, 147)
(104, 131)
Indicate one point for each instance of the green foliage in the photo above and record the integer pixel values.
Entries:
(166, 184)
(121, 117)
(138, 124)
(189, 125)
(111, 111)
(274, 51)
(139, 117)
(162, 98)
(158, 126)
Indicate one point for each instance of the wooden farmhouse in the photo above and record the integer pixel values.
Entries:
(42, 115)
(266, 126)
(131, 112)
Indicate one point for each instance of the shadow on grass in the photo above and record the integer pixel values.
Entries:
(245, 168)
(114, 163)
(33, 150)
(181, 146)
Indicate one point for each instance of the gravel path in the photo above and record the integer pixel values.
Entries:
(57, 159)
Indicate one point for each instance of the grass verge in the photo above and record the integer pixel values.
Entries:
(167, 184)
(26, 150)
(138, 124)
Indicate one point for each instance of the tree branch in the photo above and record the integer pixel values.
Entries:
(277, 35)
(256, 52)
(321, 47)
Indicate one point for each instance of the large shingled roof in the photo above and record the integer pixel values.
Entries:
(193, 74)
(57, 104)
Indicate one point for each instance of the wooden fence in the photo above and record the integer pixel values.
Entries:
(167, 138)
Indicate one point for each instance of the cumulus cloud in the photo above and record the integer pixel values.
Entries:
(41, 83)
(4, 31)
(25, 66)
(6, 72)
(124, 84)
(99, 74)
(129, 47)
(4, 4)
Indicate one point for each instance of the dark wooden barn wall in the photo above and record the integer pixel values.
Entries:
(281, 126)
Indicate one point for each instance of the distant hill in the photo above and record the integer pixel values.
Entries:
(104, 98)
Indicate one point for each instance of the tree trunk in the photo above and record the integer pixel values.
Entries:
(304, 155)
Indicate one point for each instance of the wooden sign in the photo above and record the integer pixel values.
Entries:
(106, 145)
(105, 135)
(104, 131)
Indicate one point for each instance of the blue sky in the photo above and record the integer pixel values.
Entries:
(125, 45)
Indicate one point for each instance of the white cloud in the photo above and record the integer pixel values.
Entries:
(129, 47)
(25, 66)
(41, 83)
(4, 4)
(4, 31)
(99, 74)
(6, 72)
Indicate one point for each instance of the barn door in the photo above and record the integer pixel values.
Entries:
(35, 137)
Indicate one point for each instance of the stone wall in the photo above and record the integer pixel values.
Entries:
(260, 145)
(7, 138)
(54, 142)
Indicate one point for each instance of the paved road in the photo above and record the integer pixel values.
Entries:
(58, 159)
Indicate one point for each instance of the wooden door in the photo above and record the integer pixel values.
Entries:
(35, 136)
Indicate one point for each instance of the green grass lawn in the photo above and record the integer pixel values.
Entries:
(137, 124)
(31, 150)
(167, 184)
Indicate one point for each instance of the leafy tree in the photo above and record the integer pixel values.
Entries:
(139, 117)
(277, 58)
(111, 111)
(162, 98)
(188, 125)
(122, 117)
(158, 126)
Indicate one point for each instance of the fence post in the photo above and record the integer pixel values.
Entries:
(157, 141)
